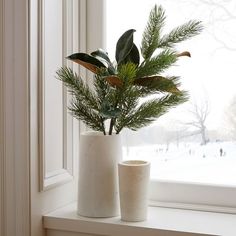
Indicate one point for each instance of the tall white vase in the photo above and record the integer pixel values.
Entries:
(133, 188)
(99, 156)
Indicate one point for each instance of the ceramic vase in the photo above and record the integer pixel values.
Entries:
(99, 156)
(133, 189)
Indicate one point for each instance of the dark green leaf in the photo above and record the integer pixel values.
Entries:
(102, 56)
(87, 61)
(124, 45)
(133, 56)
(101, 53)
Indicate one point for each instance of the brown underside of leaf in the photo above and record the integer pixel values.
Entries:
(145, 81)
(185, 53)
(114, 81)
(174, 89)
(153, 82)
(88, 66)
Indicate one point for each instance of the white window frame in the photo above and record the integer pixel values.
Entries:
(176, 194)
(193, 196)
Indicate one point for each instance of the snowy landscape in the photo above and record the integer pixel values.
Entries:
(213, 163)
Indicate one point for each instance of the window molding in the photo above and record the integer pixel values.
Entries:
(55, 178)
(14, 119)
(2, 122)
(193, 196)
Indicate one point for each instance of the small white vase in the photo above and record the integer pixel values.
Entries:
(133, 188)
(99, 156)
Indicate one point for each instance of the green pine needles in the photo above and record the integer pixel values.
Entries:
(118, 90)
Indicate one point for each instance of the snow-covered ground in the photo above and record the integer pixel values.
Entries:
(189, 162)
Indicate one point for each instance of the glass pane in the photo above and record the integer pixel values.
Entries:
(196, 141)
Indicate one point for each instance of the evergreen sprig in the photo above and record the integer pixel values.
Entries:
(181, 33)
(148, 111)
(84, 106)
(151, 34)
(118, 90)
(157, 64)
(78, 87)
(84, 113)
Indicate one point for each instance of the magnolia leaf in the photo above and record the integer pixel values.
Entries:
(114, 81)
(185, 53)
(133, 56)
(124, 45)
(102, 56)
(101, 53)
(87, 61)
(159, 83)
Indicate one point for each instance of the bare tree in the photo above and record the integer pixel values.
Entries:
(220, 14)
(176, 131)
(198, 115)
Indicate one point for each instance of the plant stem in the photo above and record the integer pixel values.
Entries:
(113, 120)
(111, 126)
(104, 130)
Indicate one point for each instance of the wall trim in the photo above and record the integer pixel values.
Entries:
(14, 119)
(2, 164)
(65, 174)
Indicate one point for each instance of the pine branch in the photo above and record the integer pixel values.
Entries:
(77, 87)
(102, 88)
(147, 112)
(127, 73)
(151, 34)
(85, 104)
(119, 96)
(157, 64)
(181, 33)
(128, 106)
(173, 100)
(84, 113)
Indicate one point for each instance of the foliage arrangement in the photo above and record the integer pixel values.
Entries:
(119, 88)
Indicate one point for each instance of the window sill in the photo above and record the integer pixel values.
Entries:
(163, 221)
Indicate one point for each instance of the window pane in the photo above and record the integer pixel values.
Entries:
(194, 142)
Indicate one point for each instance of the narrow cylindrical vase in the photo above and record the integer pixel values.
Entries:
(99, 156)
(133, 189)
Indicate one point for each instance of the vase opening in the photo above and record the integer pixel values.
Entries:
(134, 163)
(97, 133)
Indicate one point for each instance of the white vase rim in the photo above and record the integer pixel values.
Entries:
(97, 133)
(134, 163)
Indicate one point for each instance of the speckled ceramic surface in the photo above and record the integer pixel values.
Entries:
(98, 175)
(133, 188)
